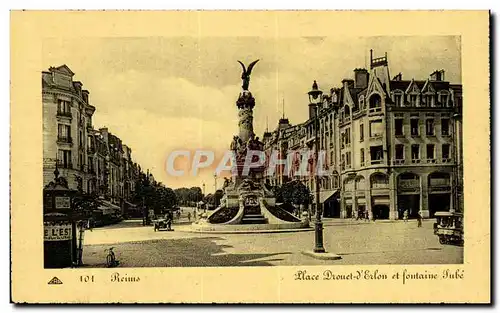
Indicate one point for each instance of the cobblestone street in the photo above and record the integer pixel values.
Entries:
(358, 242)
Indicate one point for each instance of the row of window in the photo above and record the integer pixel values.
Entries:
(430, 152)
(426, 100)
(377, 155)
(64, 109)
(64, 161)
(415, 129)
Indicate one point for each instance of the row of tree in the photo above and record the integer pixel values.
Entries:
(189, 196)
(153, 196)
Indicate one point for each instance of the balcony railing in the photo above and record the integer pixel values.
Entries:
(379, 161)
(446, 160)
(374, 110)
(65, 114)
(431, 160)
(398, 161)
(415, 161)
(64, 139)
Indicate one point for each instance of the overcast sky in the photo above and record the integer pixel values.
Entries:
(159, 94)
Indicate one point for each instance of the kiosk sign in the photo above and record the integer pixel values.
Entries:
(57, 232)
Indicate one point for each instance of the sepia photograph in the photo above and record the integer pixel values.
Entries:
(284, 156)
(173, 152)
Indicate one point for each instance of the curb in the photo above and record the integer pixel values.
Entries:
(261, 231)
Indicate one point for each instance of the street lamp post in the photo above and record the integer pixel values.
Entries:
(318, 223)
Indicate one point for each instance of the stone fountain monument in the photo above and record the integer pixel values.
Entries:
(247, 205)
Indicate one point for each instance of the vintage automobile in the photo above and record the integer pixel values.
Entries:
(164, 222)
(449, 227)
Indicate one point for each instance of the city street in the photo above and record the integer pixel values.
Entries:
(358, 242)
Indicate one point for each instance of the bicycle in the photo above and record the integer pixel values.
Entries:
(110, 258)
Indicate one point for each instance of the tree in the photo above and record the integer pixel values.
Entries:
(195, 194)
(85, 204)
(294, 192)
(189, 196)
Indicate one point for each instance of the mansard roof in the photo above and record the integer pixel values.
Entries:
(64, 69)
(404, 85)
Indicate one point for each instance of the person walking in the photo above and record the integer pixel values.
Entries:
(419, 220)
(405, 216)
(189, 216)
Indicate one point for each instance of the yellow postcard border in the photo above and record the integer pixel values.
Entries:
(259, 284)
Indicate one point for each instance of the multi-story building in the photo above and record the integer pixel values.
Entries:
(288, 139)
(67, 114)
(93, 161)
(397, 146)
(322, 114)
(391, 145)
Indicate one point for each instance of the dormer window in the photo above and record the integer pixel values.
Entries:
(347, 112)
(413, 100)
(429, 100)
(443, 98)
(397, 99)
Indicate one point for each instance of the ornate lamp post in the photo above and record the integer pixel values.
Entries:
(315, 101)
(318, 223)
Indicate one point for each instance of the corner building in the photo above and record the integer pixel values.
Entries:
(398, 143)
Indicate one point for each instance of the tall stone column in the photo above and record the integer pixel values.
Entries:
(245, 104)
(245, 123)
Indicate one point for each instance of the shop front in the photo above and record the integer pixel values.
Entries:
(440, 196)
(408, 195)
(380, 196)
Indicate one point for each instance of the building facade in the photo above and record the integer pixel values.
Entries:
(67, 121)
(93, 161)
(391, 145)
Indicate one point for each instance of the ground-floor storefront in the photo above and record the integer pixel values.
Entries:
(389, 193)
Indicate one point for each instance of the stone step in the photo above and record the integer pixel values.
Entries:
(253, 215)
(253, 219)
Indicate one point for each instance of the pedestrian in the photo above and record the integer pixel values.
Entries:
(419, 220)
(189, 216)
(405, 216)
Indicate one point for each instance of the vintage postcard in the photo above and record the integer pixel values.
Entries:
(250, 157)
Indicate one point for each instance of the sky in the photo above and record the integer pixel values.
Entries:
(160, 94)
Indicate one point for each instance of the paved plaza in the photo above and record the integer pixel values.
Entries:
(358, 242)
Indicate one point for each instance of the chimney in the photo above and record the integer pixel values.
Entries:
(437, 75)
(360, 78)
(347, 83)
(78, 87)
(85, 96)
(398, 77)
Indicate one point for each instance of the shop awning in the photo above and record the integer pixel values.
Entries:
(109, 208)
(328, 195)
